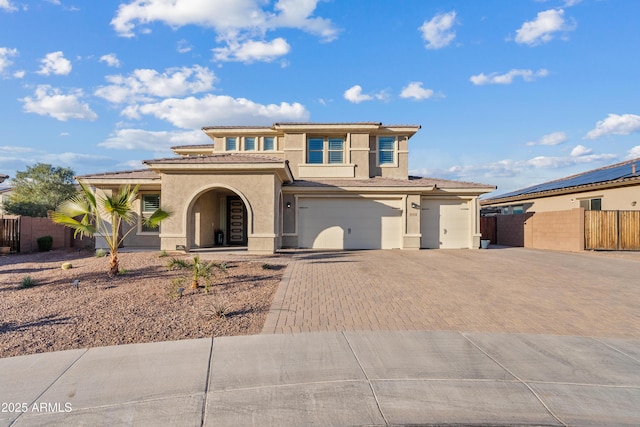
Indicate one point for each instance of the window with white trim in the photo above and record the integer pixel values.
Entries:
(231, 143)
(386, 150)
(321, 150)
(268, 143)
(249, 143)
(148, 205)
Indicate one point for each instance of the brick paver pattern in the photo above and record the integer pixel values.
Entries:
(497, 290)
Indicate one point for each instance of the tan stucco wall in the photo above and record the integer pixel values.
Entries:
(359, 154)
(180, 192)
(612, 199)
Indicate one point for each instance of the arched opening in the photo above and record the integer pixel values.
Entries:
(218, 216)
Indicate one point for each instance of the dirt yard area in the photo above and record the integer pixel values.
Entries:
(140, 305)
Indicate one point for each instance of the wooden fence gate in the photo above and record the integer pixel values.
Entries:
(10, 234)
(612, 230)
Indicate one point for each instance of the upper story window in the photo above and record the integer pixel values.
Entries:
(386, 150)
(322, 150)
(249, 143)
(268, 143)
(149, 204)
(231, 143)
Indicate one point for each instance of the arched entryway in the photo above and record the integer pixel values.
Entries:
(218, 216)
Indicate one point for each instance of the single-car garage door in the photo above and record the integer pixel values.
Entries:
(445, 224)
(349, 223)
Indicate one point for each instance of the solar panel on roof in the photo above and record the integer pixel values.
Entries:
(611, 173)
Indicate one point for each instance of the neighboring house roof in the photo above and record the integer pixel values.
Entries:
(620, 173)
(190, 146)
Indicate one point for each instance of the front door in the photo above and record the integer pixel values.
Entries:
(236, 221)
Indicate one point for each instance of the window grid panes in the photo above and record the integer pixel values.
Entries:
(269, 143)
(250, 143)
(231, 143)
(150, 203)
(386, 149)
(336, 150)
(315, 149)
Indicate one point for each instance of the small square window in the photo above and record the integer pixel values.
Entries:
(231, 143)
(250, 143)
(269, 143)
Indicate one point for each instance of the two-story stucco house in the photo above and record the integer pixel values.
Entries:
(300, 185)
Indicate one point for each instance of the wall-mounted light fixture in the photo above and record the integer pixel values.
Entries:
(288, 205)
(633, 203)
(414, 205)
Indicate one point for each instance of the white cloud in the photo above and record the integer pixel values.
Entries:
(507, 78)
(111, 60)
(55, 63)
(544, 27)
(354, 94)
(227, 18)
(146, 84)
(211, 110)
(437, 32)
(139, 139)
(7, 6)
(615, 124)
(416, 91)
(251, 51)
(50, 101)
(580, 150)
(19, 74)
(555, 138)
(634, 152)
(5, 54)
(184, 46)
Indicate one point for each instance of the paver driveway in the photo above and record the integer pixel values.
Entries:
(496, 290)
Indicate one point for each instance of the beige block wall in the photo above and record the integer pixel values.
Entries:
(559, 230)
(359, 154)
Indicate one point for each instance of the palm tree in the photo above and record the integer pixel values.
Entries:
(103, 215)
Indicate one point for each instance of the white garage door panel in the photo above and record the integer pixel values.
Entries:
(349, 223)
(444, 224)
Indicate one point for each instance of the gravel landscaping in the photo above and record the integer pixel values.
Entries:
(141, 305)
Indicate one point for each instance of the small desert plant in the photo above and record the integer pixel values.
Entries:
(66, 266)
(178, 263)
(122, 271)
(44, 243)
(163, 254)
(101, 253)
(27, 282)
(267, 267)
(176, 287)
(218, 311)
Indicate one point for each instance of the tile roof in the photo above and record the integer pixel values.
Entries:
(413, 181)
(629, 169)
(226, 158)
(130, 174)
(179, 147)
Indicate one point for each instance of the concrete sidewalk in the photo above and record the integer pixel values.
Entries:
(331, 378)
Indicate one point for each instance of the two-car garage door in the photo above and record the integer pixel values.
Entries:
(349, 223)
(445, 224)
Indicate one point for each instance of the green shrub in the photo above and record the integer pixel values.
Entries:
(44, 243)
(100, 253)
(178, 263)
(27, 282)
(66, 266)
(163, 254)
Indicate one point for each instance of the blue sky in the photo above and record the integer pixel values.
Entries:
(508, 93)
